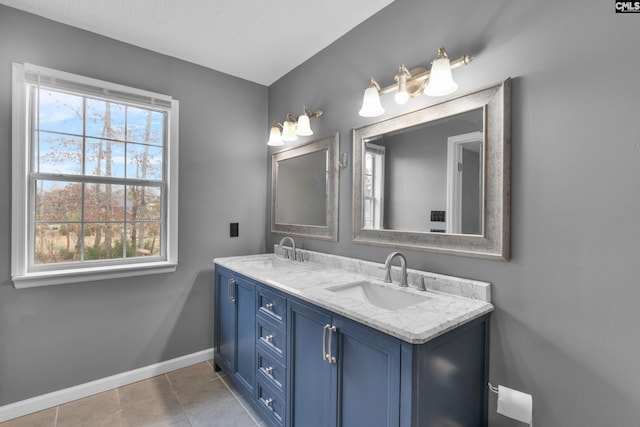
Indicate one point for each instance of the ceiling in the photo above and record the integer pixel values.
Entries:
(256, 40)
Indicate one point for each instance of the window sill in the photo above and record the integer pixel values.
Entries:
(60, 277)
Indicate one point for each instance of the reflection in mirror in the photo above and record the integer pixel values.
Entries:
(464, 183)
(304, 190)
(437, 179)
(301, 198)
(426, 177)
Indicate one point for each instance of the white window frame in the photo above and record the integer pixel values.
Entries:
(378, 178)
(22, 274)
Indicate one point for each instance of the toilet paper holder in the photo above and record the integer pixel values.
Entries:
(514, 404)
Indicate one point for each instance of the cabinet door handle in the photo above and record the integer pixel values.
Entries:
(325, 355)
(230, 285)
(269, 338)
(269, 306)
(269, 370)
(269, 403)
(330, 357)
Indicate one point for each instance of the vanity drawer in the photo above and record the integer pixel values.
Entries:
(272, 372)
(272, 306)
(271, 403)
(271, 338)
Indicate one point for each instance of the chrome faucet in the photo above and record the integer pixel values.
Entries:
(293, 248)
(403, 266)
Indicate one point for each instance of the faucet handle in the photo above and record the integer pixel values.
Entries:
(422, 282)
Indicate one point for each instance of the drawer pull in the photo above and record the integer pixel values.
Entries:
(325, 355)
(230, 290)
(330, 358)
(269, 370)
(269, 306)
(269, 402)
(269, 338)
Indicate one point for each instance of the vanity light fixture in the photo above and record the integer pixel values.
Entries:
(275, 136)
(440, 81)
(371, 106)
(411, 83)
(402, 96)
(291, 128)
(304, 126)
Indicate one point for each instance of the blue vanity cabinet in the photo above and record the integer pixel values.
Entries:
(341, 373)
(300, 365)
(234, 328)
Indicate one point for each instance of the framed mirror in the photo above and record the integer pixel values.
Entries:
(304, 190)
(437, 179)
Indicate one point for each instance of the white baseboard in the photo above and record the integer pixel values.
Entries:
(49, 400)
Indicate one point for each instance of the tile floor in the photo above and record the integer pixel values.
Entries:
(194, 396)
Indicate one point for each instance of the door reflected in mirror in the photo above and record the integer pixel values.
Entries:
(426, 178)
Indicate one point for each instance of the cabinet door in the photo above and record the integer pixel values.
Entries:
(312, 379)
(245, 301)
(225, 322)
(234, 340)
(368, 376)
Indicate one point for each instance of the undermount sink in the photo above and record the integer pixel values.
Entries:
(270, 262)
(378, 295)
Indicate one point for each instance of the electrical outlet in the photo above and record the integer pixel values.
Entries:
(437, 216)
(234, 230)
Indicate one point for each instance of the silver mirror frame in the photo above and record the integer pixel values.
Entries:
(494, 243)
(330, 231)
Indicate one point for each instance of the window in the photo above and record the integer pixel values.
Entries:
(94, 179)
(373, 186)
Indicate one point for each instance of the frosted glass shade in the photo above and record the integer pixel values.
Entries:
(440, 80)
(304, 127)
(371, 106)
(275, 137)
(289, 131)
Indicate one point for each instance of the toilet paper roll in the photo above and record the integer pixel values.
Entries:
(515, 404)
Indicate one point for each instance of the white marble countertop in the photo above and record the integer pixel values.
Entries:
(311, 281)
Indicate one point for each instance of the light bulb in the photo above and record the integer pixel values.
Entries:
(402, 95)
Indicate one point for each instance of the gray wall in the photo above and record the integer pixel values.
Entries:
(416, 175)
(59, 336)
(566, 324)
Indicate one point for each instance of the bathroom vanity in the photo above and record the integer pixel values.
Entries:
(325, 342)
